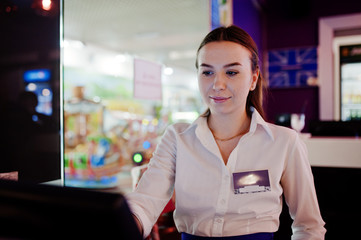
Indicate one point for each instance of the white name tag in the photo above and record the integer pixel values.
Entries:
(251, 182)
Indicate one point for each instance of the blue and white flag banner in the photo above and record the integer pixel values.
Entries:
(291, 67)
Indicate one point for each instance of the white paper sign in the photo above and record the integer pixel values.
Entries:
(147, 80)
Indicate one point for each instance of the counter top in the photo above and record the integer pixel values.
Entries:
(344, 152)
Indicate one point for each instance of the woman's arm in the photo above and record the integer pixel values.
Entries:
(300, 194)
(139, 225)
(155, 188)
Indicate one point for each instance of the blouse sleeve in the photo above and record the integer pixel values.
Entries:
(300, 195)
(156, 186)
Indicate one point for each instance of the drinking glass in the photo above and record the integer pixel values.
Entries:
(298, 121)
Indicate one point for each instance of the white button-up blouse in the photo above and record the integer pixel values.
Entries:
(210, 197)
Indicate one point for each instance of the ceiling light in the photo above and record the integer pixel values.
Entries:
(46, 5)
(73, 43)
(168, 71)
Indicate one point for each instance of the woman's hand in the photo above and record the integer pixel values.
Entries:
(139, 224)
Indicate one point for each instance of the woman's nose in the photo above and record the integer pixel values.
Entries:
(219, 83)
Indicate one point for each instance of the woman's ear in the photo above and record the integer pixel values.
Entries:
(255, 77)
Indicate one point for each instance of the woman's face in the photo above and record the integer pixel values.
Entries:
(225, 76)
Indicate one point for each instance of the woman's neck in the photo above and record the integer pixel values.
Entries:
(224, 126)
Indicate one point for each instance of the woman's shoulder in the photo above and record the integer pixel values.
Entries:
(179, 128)
(281, 132)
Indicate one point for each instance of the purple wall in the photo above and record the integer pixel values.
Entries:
(289, 24)
(246, 16)
(292, 100)
(277, 24)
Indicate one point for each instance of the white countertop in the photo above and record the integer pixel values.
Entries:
(344, 152)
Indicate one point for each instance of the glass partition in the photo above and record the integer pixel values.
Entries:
(128, 72)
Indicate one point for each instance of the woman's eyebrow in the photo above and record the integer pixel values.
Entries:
(206, 65)
(232, 64)
(225, 66)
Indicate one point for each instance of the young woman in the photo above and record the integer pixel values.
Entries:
(229, 168)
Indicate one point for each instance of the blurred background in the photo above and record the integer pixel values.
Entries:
(88, 87)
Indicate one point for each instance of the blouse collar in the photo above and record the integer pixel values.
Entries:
(256, 120)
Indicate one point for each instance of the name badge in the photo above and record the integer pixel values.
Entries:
(251, 182)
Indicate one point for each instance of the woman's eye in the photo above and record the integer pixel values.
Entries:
(207, 73)
(231, 73)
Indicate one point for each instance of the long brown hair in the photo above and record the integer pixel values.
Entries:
(238, 35)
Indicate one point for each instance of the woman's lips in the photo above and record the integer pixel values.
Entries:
(219, 99)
